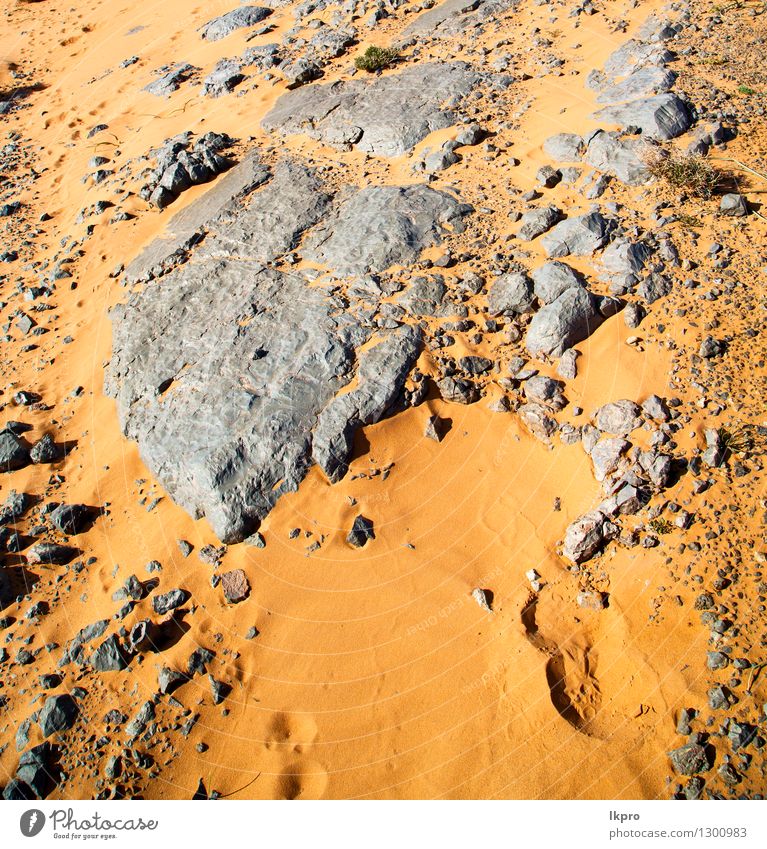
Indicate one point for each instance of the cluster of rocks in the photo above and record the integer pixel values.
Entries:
(182, 163)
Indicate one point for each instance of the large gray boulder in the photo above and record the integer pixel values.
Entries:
(564, 147)
(554, 277)
(619, 418)
(621, 158)
(13, 453)
(569, 319)
(244, 16)
(511, 293)
(661, 117)
(581, 235)
(380, 226)
(57, 714)
(220, 371)
(586, 536)
(536, 222)
(386, 116)
(381, 374)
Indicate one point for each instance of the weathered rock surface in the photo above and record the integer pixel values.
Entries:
(581, 235)
(386, 116)
(381, 374)
(380, 226)
(57, 714)
(567, 320)
(511, 293)
(660, 117)
(227, 372)
(619, 157)
(244, 16)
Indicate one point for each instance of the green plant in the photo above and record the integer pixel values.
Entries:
(744, 89)
(687, 220)
(687, 171)
(661, 526)
(742, 439)
(376, 59)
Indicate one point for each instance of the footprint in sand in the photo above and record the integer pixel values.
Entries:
(291, 732)
(302, 780)
(290, 736)
(570, 675)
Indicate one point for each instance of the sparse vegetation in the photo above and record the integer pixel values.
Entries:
(744, 439)
(376, 59)
(691, 173)
(661, 526)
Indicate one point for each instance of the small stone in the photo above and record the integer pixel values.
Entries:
(361, 532)
(235, 586)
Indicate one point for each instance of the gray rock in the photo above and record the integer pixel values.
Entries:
(13, 453)
(635, 54)
(567, 366)
(169, 680)
(166, 602)
(564, 147)
(110, 656)
(625, 257)
(644, 81)
(511, 293)
(580, 236)
(244, 16)
(620, 158)
(538, 221)
(45, 450)
(546, 391)
(381, 374)
(58, 714)
(714, 453)
(690, 759)
(618, 418)
(271, 219)
(606, 456)
(538, 420)
(734, 205)
(380, 226)
(660, 117)
(223, 79)
(51, 553)
(585, 537)
(387, 116)
(656, 408)
(70, 519)
(569, 319)
(170, 81)
(457, 390)
(361, 532)
(552, 278)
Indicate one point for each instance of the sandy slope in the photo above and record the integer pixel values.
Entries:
(374, 673)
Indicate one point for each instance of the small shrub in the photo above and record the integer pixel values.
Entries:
(744, 439)
(376, 59)
(661, 526)
(689, 172)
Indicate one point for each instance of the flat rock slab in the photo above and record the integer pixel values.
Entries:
(381, 226)
(229, 373)
(185, 227)
(386, 116)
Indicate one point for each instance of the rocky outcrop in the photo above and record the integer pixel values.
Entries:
(229, 374)
(386, 117)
